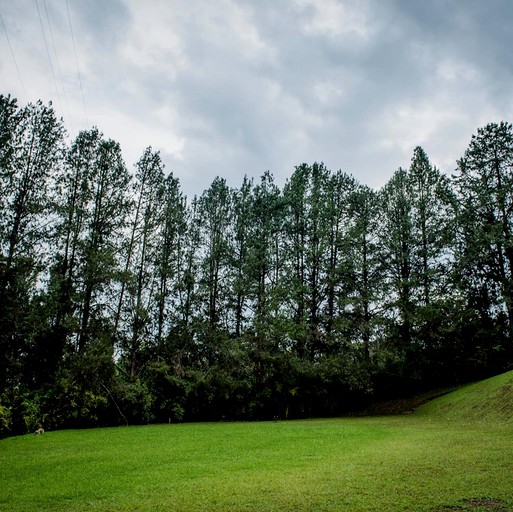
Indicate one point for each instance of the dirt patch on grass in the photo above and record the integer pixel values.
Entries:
(478, 505)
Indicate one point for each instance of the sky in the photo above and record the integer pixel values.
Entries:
(239, 87)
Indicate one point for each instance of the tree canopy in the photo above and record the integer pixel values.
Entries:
(122, 300)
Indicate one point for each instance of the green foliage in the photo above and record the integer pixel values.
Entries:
(31, 152)
(121, 301)
(134, 400)
(65, 404)
(485, 182)
(5, 420)
(32, 413)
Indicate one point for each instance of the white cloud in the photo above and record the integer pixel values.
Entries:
(336, 19)
(406, 126)
(456, 72)
(135, 135)
(154, 40)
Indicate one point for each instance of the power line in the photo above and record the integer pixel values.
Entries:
(76, 60)
(58, 67)
(49, 58)
(14, 59)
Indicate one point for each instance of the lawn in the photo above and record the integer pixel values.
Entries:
(444, 457)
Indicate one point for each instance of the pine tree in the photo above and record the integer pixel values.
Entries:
(485, 187)
(104, 221)
(366, 295)
(138, 288)
(215, 210)
(242, 204)
(171, 258)
(31, 153)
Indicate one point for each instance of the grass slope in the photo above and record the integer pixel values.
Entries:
(444, 457)
(489, 400)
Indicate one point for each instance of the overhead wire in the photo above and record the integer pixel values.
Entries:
(76, 61)
(49, 57)
(14, 59)
(70, 120)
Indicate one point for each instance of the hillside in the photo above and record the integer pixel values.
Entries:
(488, 400)
(452, 454)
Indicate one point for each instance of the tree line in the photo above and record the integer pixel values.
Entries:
(123, 301)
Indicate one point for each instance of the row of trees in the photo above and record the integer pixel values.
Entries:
(123, 301)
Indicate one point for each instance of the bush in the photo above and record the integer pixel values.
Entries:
(32, 413)
(5, 421)
(135, 401)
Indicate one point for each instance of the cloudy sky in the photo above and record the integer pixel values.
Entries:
(234, 87)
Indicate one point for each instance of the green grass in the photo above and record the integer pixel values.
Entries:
(432, 460)
(489, 401)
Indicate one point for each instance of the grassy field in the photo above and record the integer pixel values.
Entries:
(453, 454)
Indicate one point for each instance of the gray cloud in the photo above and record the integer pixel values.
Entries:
(241, 87)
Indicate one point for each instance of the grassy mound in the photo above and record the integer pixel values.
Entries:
(490, 400)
